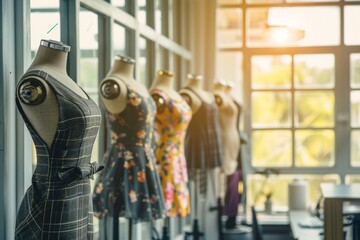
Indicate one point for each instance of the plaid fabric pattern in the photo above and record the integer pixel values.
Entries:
(58, 204)
(203, 146)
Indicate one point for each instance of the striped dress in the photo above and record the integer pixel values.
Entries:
(58, 205)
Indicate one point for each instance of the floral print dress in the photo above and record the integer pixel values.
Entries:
(130, 183)
(171, 122)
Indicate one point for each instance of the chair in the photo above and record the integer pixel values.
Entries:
(256, 229)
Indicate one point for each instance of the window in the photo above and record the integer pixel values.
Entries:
(300, 105)
(293, 26)
(40, 29)
(355, 108)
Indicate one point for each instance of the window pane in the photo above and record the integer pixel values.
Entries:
(229, 25)
(89, 61)
(229, 67)
(355, 108)
(314, 71)
(89, 68)
(118, 3)
(352, 179)
(40, 29)
(158, 16)
(278, 186)
(142, 11)
(263, 1)
(230, 1)
(119, 39)
(355, 148)
(314, 148)
(355, 70)
(41, 4)
(142, 61)
(352, 25)
(314, 109)
(310, 1)
(293, 26)
(271, 148)
(271, 72)
(271, 109)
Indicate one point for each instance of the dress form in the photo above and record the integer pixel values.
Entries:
(171, 122)
(113, 88)
(63, 123)
(165, 82)
(194, 82)
(133, 185)
(228, 114)
(51, 58)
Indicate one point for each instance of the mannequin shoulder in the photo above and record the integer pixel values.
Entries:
(191, 98)
(111, 88)
(40, 105)
(159, 100)
(113, 93)
(187, 95)
(33, 91)
(219, 99)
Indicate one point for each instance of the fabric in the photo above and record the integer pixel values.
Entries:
(203, 146)
(58, 204)
(130, 181)
(232, 195)
(171, 124)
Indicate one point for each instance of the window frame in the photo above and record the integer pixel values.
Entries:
(69, 34)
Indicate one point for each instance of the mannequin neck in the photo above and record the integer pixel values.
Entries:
(52, 58)
(194, 83)
(219, 87)
(164, 81)
(228, 90)
(122, 68)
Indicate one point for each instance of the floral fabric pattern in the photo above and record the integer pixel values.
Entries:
(130, 183)
(170, 130)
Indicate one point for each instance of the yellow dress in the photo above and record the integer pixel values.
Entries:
(171, 122)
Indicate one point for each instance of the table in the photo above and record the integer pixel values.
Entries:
(301, 233)
(334, 196)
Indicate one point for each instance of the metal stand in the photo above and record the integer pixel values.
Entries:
(130, 229)
(116, 224)
(196, 234)
(195, 231)
(165, 232)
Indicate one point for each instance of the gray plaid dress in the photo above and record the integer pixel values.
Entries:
(58, 204)
(203, 146)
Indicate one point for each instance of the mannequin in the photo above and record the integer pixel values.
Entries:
(229, 131)
(44, 116)
(130, 185)
(203, 149)
(165, 82)
(228, 116)
(194, 83)
(199, 99)
(171, 122)
(115, 83)
(59, 116)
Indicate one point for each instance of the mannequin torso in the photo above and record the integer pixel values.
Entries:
(119, 76)
(228, 114)
(44, 116)
(195, 100)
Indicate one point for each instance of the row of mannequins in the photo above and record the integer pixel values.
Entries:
(157, 135)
